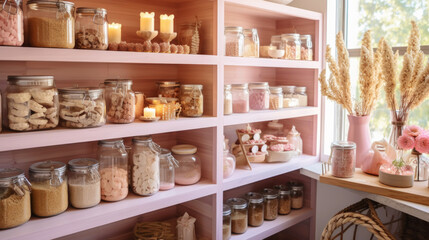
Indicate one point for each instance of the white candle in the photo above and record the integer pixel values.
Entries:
(167, 23)
(115, 33)
(147, 22)
(149, 112)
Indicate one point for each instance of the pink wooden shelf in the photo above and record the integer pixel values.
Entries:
(76, 220)
(268, 62)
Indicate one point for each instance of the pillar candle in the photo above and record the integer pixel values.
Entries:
(147, 22)
(115, 33)
(149, 112)
(167, 23)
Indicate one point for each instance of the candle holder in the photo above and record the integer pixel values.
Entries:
(167, 37)
(146, 119)
(147, 35)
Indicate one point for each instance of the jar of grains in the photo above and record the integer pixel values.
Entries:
(302, 97)
(255, 209)
(271, 204)
(240, 98)
(189, 170)
(343, 159)
(191, 100)
(49, 188)
(297, 195)
(91, 28)
(234, 41)
(227, 100)
(12, 23)
(166, 169)
(292, 45)
(120, 100)
(168, 89)
(276, 98)
(306, 48)
(51, 24)
(113, 159)
(285, 203)
(84, 182)
(259, 96)
(15, 206)
(238, 215)
(32, 103)
(145, 169)
(226, 226)
(251, 43)
(289, 97)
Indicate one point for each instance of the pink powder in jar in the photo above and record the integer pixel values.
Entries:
(259, 99)
(343, 159)
(188, 177)
(166, 186)
(240, 106)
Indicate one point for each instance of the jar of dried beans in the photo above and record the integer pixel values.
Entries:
(227, 100)
(166, 169)
(285, 203)
(191, 100)
(276, 98)
(292, 45)
(91, 28)
(271, 204)
(240, 98)
(168, 89)
(226, 226)
(343, 159)
(234, 41)
(11, 23)
(306, 48)
(238, 215)
(255, 209)
(297, 195)
(120, 100)
(251, 43)
(189, 170)
(259, 96)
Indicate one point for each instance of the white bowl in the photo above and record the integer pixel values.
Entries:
(280, 156)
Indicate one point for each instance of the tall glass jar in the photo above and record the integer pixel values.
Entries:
(259, 96)
(256, 208)
(49, 195)
(91, 28)
(276, 98)
(289, 97)
(226, 226)
(113, 160)
(343, 159)
(145, 169)
(191, 100)
(227, 100)
(292, 45)
(271, 204)
(120, 100)
(15, 206)
(189, 170)
(32, 103)
(234, 41)
(84, 182)
(294, 138)
(238, 215)
(12, 24)
(251, 43)
(51, 24)
(167, 168)
(297, 196)
(306, 48)
(285, 203)
(168, 89)
(240, 98)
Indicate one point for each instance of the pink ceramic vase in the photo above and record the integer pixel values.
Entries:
(359, 134)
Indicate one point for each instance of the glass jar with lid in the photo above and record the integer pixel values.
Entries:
(276, 48)
(113, 159)
(227, 100)
(91, 28)
(32, 103)
(167, 168)
(234, 41)
(228, 163)
(49, 195)
(189, 170)
(297, 195)
(120, 100)
(306, 48)
(84, 182)
(15, 204)
(51, 24)
(238, 215)
(294, 138)
(255, 209)
(251, 43)
(292, 45)
(276, 98)
(275, 128)
(82, 107)
(343, 159)
(191, 100)
(259, 96)
(285, 202)
(271, 204)
(12, 23)
(289, 97)
(168, 89)
(226, 226)
(302, 97)
(240, 98)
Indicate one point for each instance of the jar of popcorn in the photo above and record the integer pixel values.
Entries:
(91, 28)
(12, 23)
(292, 45)
(120, 100)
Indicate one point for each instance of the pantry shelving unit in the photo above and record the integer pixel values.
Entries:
(203, 200)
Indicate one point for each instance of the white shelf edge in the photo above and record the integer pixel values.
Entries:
(267, 62)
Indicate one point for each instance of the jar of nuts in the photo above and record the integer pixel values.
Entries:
(91, 28)
(292, 45)
(120, 100)
(191, 100)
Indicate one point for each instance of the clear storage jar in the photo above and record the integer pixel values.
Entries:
(168, 89)
(251, 43)
(49, 194)
(271, 204)
(120, 100)
(226, 226)
(167, 168)
(15, 204)
(289, 98)
(192, 100)
(51, 24)
(274, 128)
(113, 159)
(306, 48)
(228, 164)
(11, 23)
(297, 195)
(32, 103)
(255, 209)
(84, 182)
(240, 98)
(276, 98)
(276, 48)
(238, 215)
(259, 95)
(285, 203)
(301, 95)
(234, 41)
(294, 138)
(82, 107)
(227, 100)
(91, 28)
(189, 170)
(292, 45)
(343, 159)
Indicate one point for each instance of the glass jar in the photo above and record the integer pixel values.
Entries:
(343, 159)
(51, 24)
(306, 48)
(91, 28)
(49, 188)
(276, 98)
(186, 33)
(251, 43)
(301, 95)
(292, 45)
(276, 48)
(289, 98)
(189, 170)
(234, 41)
(294, 138)
(238, 215)
(228, 164)
(32, 103)
(191, 100)
(240, 98)
(226, 226)
(168, 89)
(167, 167)
(274, 128)
(285, 203)
(297, 195)
(259, 96)
(276, 42)
(227, 100)
(12, 24)
(120, 100)
(84, 182)
(82, 107)
(15, 204)
(271, 204)
(255, 209)
(145, 169)
(165, 108)
(113, 160)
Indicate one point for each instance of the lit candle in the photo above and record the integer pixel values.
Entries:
(115, 33)
(167, 23)
(147, 22)
(149, 112)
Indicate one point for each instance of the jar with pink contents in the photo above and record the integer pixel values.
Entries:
(259, 96)
(11, 23)
(240, 98)
(343, 158)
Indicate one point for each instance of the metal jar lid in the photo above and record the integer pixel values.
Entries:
(343, 145)
(184, 149)
(233, 29)
(239, 86)
(282, 189)
(141, 139)
(116, 82)
(191, 86)
(300, 89)
(259, 85)
(31, 80)
(168, 84)
(270, 193)
(290, 36)
(36, 4)
(111, 141)
(80, 93)
(276, 90)
(48, 166)
(83, 164)
(254, 197)
(297, 188)
(226, 210)
(165, 152)
(10, 174)
(237, 203)
(91, 10)
(288, 89)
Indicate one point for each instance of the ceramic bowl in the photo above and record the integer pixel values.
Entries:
(394, 180)
(281, 156)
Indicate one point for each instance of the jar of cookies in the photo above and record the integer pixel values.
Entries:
(84, 182)
(271, 204)
(12, 23)
(82, 107)
(191, 100)
(91, 28)
(256, 208)
(238, 215)
(120, 100)
(292, 45)
(32, 103)
(168, 89)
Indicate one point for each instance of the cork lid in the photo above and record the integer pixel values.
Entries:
(184, 149)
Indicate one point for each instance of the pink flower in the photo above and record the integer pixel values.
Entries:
(422, 143)
(412, 131)
(406, 142)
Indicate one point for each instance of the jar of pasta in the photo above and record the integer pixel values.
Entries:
(84, 182)
(276, 98)
(226, 226)
(240, 98)
(191, 100)
(285, 203)
(168, 89)
(227, 100)
(259, 96)
(120, 100)
(292, 45)
(189, 170)
(166, 169)
(234, 41)
(306, 48)
(91, 28)
(12, 23)
(256, 208)
(271, 204)
(238, 215)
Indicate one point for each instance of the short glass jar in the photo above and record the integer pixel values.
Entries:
(306, 48)
(238, 215)
(91, 28)
(285, 203)
(276, 49)
(113, 159)
(259, 96)
(294, 138)
(297, 195)
(255, 209)
(189, 170)
(168, 89)
(251, 43)
(302, 97)
(229, 162)
(276, 98)
(271, 204)
(240, 98)
(15, 204)
(32, 103)
(276, 42)
(120, 100)
(234, 41)
(51, 24)
(226, 226)
(227, 100)
(12, 24)
(49, 195)
(289, 98)
(191, 100)
(292, 45)
(167, 165)
(343, 159)
(84, 182)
